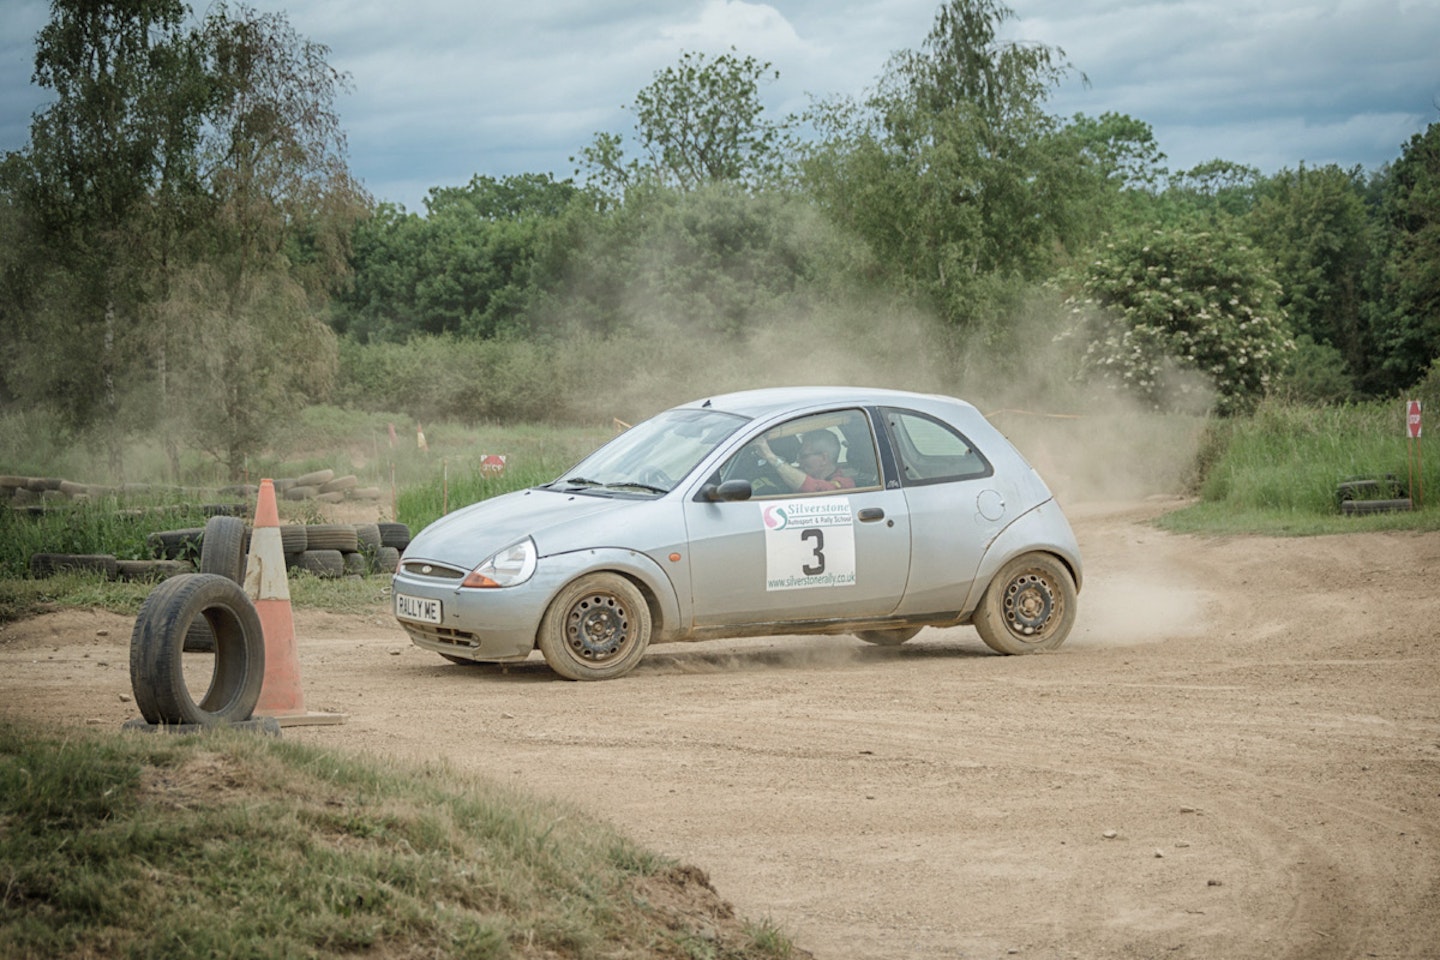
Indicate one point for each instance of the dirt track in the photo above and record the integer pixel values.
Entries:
(1236, 756)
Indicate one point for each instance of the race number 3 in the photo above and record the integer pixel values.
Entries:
(815, 534)
(809, 543)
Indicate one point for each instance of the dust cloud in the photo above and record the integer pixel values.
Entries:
(1089, 444)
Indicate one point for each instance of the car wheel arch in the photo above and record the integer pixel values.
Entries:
(648, 576)
(1021, 537)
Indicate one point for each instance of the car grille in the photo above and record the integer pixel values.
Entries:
(431, 571)
(447, 636)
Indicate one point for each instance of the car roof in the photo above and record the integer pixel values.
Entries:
(768, 400)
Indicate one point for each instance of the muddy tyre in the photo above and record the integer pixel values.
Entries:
(597, 628)
(1028, 607)
(157, 647)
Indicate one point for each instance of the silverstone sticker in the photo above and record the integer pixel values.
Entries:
(809, 543)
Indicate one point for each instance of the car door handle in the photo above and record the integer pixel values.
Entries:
(871, 514)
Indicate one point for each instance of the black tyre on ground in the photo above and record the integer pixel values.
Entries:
(332, 536)
(157, 646)
(1028, 607)
(294, 538)
(888, 638)
(340, 484)
(153, 570)
(44, 565)
(368, 536)
(395, 535)
(597, 628)
(181, 544)
(322, 563)
(387, 559)
(314, 478)
(222, 551)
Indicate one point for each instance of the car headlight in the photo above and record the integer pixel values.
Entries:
(509, 567)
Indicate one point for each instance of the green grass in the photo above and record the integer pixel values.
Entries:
(1277, 472)
(452, 475)
(227, 844)
(113, 524)
(1222, 519)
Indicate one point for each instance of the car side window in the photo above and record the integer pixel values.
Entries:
(818, 454)
(930, 451)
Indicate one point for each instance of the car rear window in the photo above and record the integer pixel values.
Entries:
(930, 451)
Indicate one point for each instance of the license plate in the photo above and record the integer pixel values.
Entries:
(417, 608)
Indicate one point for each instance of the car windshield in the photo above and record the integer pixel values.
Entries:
(651, 457)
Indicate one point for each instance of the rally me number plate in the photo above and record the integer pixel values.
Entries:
(417, 608)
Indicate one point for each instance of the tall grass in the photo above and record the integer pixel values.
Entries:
(107, 525)
(1278, 471)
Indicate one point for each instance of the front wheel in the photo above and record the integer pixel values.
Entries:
(1028, 607)
(596, 629)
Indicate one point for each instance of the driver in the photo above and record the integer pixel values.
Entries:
(818, 470)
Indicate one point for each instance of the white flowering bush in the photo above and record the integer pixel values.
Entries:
(1159, 307)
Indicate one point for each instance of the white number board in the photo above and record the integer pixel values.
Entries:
(808, 543)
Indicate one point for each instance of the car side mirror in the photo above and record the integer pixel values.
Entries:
(729, 490)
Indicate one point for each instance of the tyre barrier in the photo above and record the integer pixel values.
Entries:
(44, 565)
(1375, 494)
(222, 547)
(157, 648)
(36, 495)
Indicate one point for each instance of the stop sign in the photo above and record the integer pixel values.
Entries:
(1412, 419)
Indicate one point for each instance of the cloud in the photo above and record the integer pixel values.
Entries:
(446, 89)
(1270, 86)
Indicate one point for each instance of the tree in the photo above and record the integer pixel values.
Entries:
(465, 268)
(282, 208)
(1213, 189)
(1315, 229)
(699, 122)
(1408, 321)
(105, 188)
(952, 170)
(1158, 307)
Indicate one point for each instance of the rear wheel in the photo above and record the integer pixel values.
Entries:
(596, 629)
(1028, 607)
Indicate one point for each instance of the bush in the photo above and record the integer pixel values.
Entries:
(1159, 308)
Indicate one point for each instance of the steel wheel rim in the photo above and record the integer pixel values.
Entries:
(597, 628)
(1032, 606)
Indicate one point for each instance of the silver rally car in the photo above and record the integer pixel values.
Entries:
(803, 510)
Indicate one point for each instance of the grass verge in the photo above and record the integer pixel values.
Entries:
(236, 845)
(1278, 472)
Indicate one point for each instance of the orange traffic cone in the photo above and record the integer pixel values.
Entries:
(268, 587)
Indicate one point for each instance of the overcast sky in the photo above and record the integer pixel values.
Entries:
(446, 89)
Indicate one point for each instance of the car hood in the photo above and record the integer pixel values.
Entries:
(555, 519)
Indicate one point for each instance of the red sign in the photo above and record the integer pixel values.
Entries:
(1412, 419)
